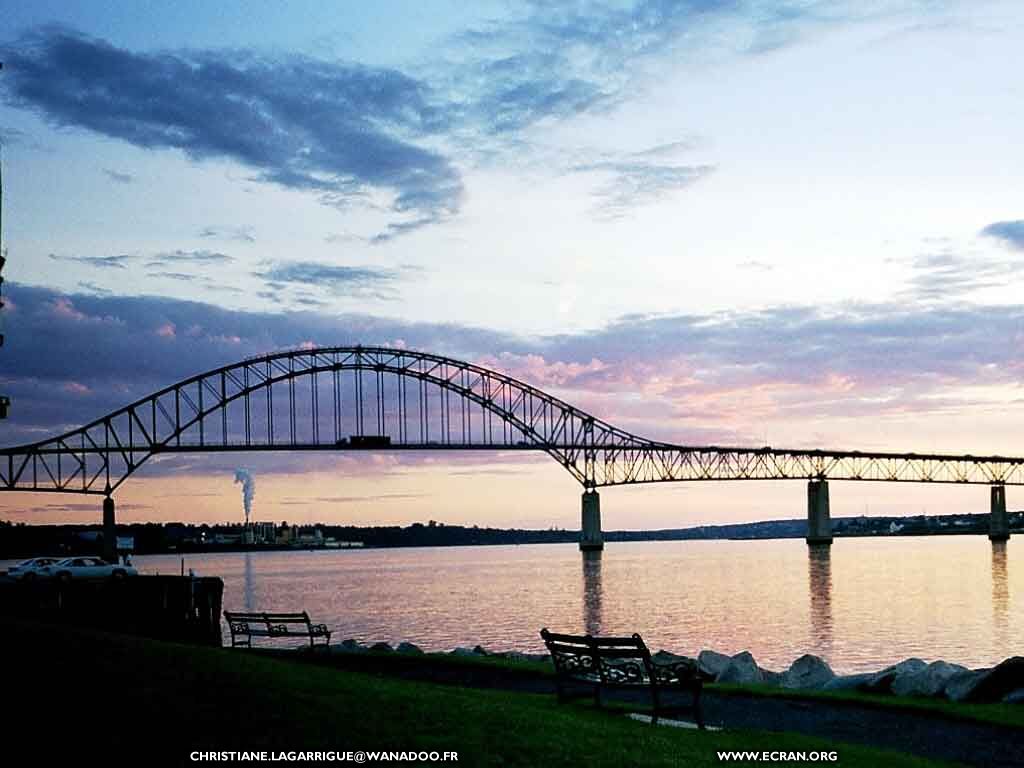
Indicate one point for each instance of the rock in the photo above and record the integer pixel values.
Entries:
(383, 647)
(409, 648)
(541, 658)
(462, 652)
(961, 685)
(514, 656)
(712, 663)
(666, 657)
(479, 650)
(741, 669)
(996, 683)
(930, 681)
(771, 678)
(882, 681)
(849, 682)
(1014, 697)
(348, 646)
(807, 672)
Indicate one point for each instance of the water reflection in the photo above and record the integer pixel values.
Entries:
(593, 592)
(1000, 592)
(248, 588)
(819, 585)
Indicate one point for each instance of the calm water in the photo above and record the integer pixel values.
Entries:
(861, 605)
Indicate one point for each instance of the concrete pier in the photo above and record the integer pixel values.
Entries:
(819, 521)
(998, 522)
(109, 531)
(591, 538)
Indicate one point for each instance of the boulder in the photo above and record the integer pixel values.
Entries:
(665, 657)
(807, 672)
(712, 664)
(514, 656)
(741, 669)
(771, 678)
(930, 681)
(961, 685)
(1014, 697)
(996, 683)
(479, 650)
(383, 647)
(409, 648)
(348, 646)
(849, 682)
(461, 651)
(883, 681)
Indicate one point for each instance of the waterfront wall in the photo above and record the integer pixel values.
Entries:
(177, 608)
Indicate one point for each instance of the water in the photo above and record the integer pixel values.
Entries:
(860, 605)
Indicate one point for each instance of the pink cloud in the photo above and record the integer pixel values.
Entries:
(75, 388)
(167, 331)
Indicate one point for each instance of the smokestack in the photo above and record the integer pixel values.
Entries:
(245, 477)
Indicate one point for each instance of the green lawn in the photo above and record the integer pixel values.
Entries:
(115, 696)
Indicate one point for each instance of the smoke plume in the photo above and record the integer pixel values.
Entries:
(244, 476)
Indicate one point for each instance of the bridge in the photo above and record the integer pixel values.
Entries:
(380, 399)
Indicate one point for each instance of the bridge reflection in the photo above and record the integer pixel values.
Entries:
(1000, 593)
(593, 592)
(819, 587)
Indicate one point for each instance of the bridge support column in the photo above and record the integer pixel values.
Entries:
(998, 522)
(591, 538)
(109, 531)
(819, 521)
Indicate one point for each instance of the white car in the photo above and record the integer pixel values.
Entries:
(88, 568)
(31, 569)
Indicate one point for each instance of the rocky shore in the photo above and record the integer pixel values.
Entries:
(911, 677)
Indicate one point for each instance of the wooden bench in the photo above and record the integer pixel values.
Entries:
(245, 626)
(587, 665)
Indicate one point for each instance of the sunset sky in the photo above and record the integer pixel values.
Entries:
(795, 223)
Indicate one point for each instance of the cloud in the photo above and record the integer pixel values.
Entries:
(688, 378)
(1009, 232)
(120, 178)
(632, 182)
(339, 130)
(101, 262)
(334, 278)
(240, 234)
(948, 274)
(194, 258)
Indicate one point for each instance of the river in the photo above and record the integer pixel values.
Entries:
(861, 604)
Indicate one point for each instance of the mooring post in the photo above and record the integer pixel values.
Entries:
(819, 521)
(109, 531)
(998, 522)
(591, 538)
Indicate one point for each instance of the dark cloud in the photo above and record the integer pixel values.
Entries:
(668, 376)
(1010, 232)
(340, 130)
(949, 274)
(104, 262)
(334, 278)
(120, 178)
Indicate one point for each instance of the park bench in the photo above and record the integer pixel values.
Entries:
(245, 626)
(587, 665)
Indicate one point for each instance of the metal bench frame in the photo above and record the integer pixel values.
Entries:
(598, 663)
(245, 626)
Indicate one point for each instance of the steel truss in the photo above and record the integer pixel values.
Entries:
(374, 398)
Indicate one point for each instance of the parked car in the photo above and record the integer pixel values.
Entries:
(88, 568)
(31, 569)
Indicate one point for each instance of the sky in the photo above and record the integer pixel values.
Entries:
(794, 223)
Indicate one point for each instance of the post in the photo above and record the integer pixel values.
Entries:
(998, 522)
(819, 521)
(591, 538)
(109, 531)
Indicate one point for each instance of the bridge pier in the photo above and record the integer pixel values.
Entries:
(998, 522)
(819, 520)
(109, 531)
(591, 537)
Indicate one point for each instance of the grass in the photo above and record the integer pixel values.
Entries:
(98, 694)
(997, 714)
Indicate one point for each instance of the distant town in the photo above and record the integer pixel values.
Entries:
(22, 540)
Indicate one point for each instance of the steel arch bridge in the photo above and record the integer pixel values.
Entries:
(375, 398)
